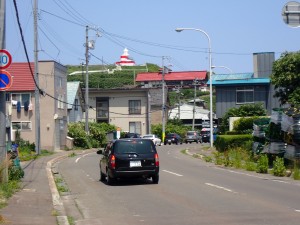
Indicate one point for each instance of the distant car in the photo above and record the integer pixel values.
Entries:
(193, 136)
(173, 138)
(156, 140)
(205, 134)
(132, 157)
(132, 135)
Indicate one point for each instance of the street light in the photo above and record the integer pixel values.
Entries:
(210, 83)
(225, 67)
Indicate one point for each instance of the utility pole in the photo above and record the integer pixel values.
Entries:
(194, 107)
(164, 71)
(87, 80)
(163, 102)
(36, 78)
(2, 96)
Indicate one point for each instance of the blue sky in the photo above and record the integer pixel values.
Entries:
(237, 29)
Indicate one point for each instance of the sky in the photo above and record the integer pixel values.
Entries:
(236, 29)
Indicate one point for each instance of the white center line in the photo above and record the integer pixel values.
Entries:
(176, 174)
(220, 187)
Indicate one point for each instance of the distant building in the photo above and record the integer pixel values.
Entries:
(184, 79)
(125, 60)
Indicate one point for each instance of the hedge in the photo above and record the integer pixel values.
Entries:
(225, 142)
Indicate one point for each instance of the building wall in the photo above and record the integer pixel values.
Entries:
(119, 107)
(53, 117)
(226, 98)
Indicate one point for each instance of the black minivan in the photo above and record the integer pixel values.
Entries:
(129, 157)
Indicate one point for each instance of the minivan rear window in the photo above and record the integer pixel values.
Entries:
(191, 133)
(140, 146)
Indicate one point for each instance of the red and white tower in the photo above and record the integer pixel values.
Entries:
(125, 60)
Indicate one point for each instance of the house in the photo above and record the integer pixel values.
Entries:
(131, 109)
(172, 79)
(75, 101)
(20, 103)
(234, 90)
(184, 112)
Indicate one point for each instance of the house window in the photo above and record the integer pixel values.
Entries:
(76, 104)
(102, 109)
(134, 106)
(23, 125)
(20, 97)
(244, 95)
(135, 127)
(60, 81)
(60, 102)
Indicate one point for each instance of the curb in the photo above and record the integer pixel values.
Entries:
(62, 217)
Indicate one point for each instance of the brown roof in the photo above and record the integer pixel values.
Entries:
(22, 77)
(189, 75)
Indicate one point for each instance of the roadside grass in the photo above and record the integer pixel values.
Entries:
(240, 158)
(61, 185)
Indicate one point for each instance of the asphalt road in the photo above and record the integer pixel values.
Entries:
(190, 192)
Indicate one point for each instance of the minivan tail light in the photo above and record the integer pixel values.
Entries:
(112, 162)
(156, 160)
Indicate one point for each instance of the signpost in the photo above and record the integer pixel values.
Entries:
(5, 80)
(5, 59)
(5, 77)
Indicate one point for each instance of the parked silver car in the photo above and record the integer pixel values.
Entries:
(193, 136)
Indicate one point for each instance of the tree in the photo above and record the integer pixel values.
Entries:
(286, 76)
(243, 111)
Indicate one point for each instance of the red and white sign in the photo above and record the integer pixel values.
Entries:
(5, 59)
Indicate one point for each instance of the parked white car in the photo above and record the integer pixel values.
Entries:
(156, 140)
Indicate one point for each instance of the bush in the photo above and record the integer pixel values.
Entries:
(262, 164)
(244, 125)
(225, 142)
(96, 138)
(278, 167)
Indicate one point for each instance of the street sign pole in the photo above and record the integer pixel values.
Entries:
(2, 98)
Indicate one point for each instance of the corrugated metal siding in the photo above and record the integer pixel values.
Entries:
(22, 77)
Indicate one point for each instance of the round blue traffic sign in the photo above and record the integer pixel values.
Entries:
(5, 80)
(5, 59)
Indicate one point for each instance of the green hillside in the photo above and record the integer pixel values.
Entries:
(108, 77)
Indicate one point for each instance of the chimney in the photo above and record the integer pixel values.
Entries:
(262, 64)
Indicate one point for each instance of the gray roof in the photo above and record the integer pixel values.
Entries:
(72, 88)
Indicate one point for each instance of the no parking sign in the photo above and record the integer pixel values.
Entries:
(5, 77)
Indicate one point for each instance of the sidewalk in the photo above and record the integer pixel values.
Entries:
(35, 203)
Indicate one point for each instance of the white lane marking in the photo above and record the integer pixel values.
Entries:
(176, 174)
(76, 161)
(220, 187)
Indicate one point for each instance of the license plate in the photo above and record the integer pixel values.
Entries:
(169, 141)
(135, 164)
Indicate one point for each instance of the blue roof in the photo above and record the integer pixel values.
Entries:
(237, 78)
(72, 88)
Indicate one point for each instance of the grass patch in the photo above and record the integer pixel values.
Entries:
(73, 154)
(71, 220)
(184, 151)
(7, 190)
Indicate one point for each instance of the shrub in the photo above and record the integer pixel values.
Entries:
(250, 166)
(244, 125)
(225, 142)
(262, 164)
(278, 167)
(296, 173)
(219, 158)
